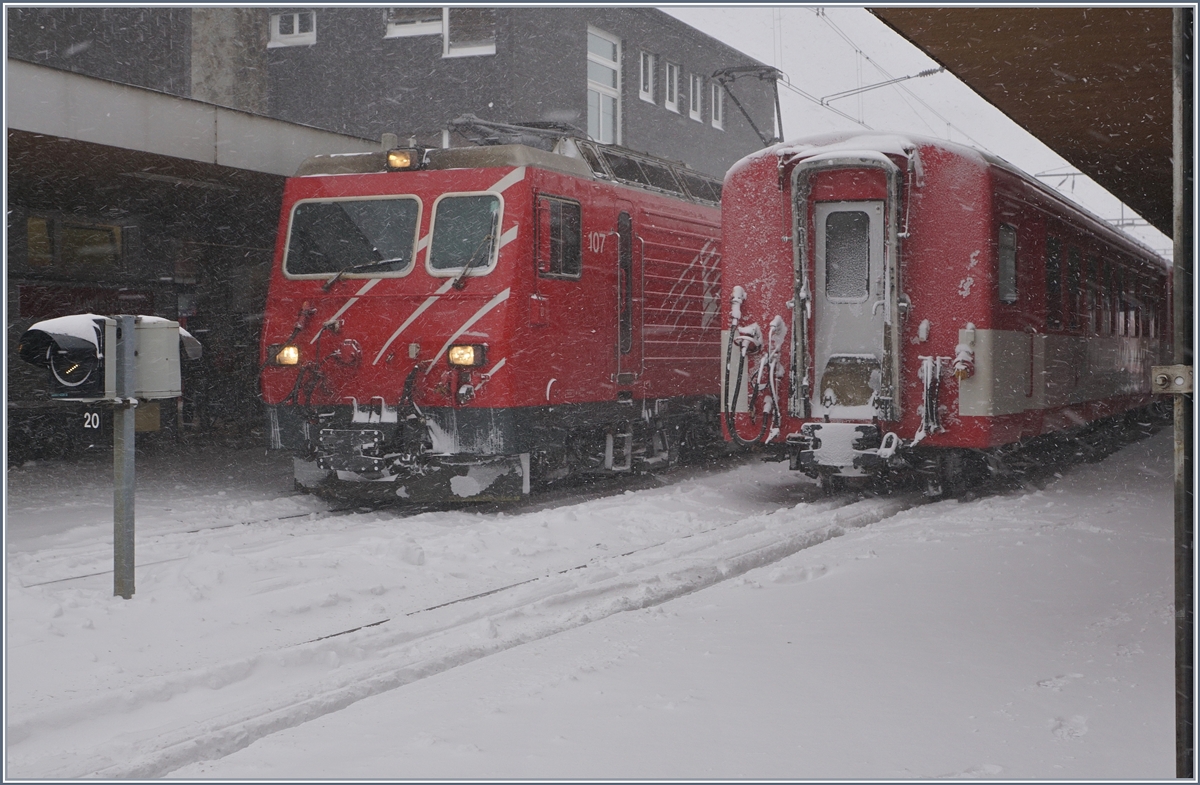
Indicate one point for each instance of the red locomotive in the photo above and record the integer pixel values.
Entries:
(902, 302)
(458, 324)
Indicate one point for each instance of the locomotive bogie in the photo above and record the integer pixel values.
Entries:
(939, 303)
(523, 320)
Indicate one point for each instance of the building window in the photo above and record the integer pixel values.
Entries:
(1008, 264)
(74, 246)
(718, 106)
(646, 90)
(469, 32)
(696, 92)
(672, 88)
(403, 22)
(604, 87)
(298, 29)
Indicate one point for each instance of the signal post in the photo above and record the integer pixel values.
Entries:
(119, 359)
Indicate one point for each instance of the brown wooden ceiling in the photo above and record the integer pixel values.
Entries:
(1094, 84)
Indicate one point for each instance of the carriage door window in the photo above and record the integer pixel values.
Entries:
(603, 88)
(846, 256)
(1008, 264)
(625, 280)
(1053, 283)
(849, 336)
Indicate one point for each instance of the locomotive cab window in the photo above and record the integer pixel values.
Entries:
(559, 238)
(352, 237)
(1007, 277)
(847, 260)
(466, 233)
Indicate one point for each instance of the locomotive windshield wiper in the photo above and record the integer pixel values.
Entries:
(484, 245)
(358, 268)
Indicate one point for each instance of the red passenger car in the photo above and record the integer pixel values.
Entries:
(907, 302)
(461, 323)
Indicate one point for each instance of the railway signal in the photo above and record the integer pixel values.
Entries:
(121, 360)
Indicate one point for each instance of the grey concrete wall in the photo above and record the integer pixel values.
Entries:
(145, 47)
(229, 57)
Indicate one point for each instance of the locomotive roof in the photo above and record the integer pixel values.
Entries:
(483, 157)
(902, 145)
(578, 158)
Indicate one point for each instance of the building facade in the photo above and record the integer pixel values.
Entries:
(636, 77)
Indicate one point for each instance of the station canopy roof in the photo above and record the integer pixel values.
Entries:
(1093, 84)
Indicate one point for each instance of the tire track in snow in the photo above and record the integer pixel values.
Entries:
(457, 634)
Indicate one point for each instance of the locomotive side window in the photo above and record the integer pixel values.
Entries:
(1074, 286)
(847, 260)
(465, 232)
(624, 168)
(1008, 264)
(341, 235)
(700, 187)
(1054, 283)
(660, 176)
(559, 238)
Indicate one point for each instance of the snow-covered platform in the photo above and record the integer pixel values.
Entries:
(724, 622)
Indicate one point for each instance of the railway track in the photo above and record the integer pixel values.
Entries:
(89, 560)
(379, 653)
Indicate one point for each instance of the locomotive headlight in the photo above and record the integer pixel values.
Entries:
(467, 354)
(404, 158)
(283, 355)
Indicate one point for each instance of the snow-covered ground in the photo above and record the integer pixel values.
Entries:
(720, 622)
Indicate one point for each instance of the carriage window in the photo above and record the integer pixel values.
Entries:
(465, 232)
(334, 236)
(1119, 301)
(1106, 298)
(1074, 286)
(847, 256)
(559, 238)
(1053, 282)
(1008, 264)
(1092, 283)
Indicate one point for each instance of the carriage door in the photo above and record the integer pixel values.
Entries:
(848, 318)
(629, 302)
